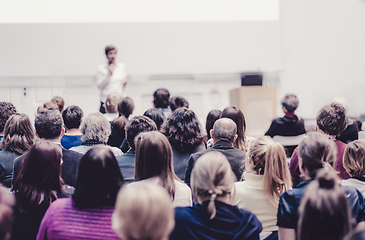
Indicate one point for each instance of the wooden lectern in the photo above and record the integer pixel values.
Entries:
(258, 104)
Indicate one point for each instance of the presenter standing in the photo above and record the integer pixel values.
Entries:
(111, 76)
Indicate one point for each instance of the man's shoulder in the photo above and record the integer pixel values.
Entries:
(67, 153)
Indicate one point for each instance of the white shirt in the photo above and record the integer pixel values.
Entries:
(356, 183)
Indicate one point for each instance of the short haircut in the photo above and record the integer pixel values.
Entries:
(331, 119)
(224, 128)
(126, 107)
(72, 117)
(95, 127)
(156, 115)
(211, 118)
(354, 159)
(6, 110)
(177, 102)
(137, 125)
(143, 211)
(6, 213)
(48, 123)
(47, 105)
(290, 102)
(111, 103)
(161, 98)
(59, 101)
(237, 116)
(119, 125)
(98, 170)
(109, 48)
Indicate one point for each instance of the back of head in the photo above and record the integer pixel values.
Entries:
(72, 117)
(324, 211)
(354, 159)
(6, 110)
(112, 101)
(156, 115)
(269, 159)
(237, 116)
(6, 213)
(48, 123)
(161, 98)
(212, 176)
(224, 129)
(290, 102)
(95, 127)
(18, 134)
(316, 150)
(177, 102)
(211, 118)
(137, 125)
(126, 107)
(59, 101)
(119, 125)
(47, 106)
(143, 212)
(331, 119)
(98, 173)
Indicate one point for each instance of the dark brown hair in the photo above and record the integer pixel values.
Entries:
(59, 101)
(126, 107)
(237, 116)
(211, 118)
(109, 48)
(331, 119)
(6, 110)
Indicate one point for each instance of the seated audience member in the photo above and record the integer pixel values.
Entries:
(324, 212)
(95, 130)
(354, 164)
(156, 115)
(290, 124)
(212, 215)
(211, 118)
(18, 138)
(37, 184)
(126, 161)
(88, 214)
(49, 125)
(143, 212)
(117, 136)
(6, 110)
(224, 135)
(126, 107)
(266, 177)
(72, 117)
(6, 213)
(154, 165)
(242, 142)
(177, 102)
(111, 106)
(59, 102)
(315, 152)
(47, 106)
(351, 132)
(331, 120)
(183, 131)
(161, 100)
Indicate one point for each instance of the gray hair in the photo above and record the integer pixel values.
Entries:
(224, 128)
(290, 102)
(48, 123)
(95, 127)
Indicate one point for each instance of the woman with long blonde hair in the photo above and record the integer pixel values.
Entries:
(266, 177)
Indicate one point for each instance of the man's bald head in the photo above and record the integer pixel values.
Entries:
(224, 129)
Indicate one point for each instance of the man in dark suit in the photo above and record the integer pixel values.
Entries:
(223, 134)
(49, 125)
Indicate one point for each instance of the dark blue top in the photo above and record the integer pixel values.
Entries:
(126, 164)
(287, 216)
(230, 222)
(69, 141)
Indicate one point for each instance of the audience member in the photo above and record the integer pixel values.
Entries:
(356, 234)
(126, 161)
(331, 120)
(212, 215)
(351, 132)
(126, 107)
(161, 100)
(266, 177)
(111, 106)
(6, 110)
(88, 214)
(354, 164)
(37, 184)
(49, 125)
(177, 102)
(154, 165)
(183, 131)
(224, 135)
(143, 212)
(156, 115)
(324, 212)
(72, 118)
(211, 118)
(18, 138)
(117, 136)
(47, 106)
(6, 213)
(315, 151)
(95, 130)
(59, 102)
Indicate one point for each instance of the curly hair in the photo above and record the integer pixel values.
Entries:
(136, 126)
(331, 119)
(95, 127)
(48, 123)
(183, 130)
(177, 102)
(6, 110)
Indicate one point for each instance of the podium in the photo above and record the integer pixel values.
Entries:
(258, 104)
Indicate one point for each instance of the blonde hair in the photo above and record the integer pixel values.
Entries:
(354, 159)
(143, 212)
(111, 103)
(269, 160)
(212, 176)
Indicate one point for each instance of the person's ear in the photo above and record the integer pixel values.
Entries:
(62, 132)
(211, 133)
(234, 138)
(36, 134)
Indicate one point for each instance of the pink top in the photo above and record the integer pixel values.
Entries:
(64, 221)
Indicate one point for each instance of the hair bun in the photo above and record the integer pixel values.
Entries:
(327, 178)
